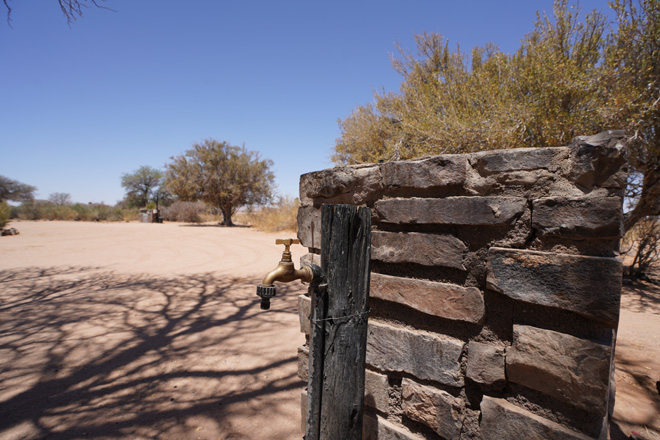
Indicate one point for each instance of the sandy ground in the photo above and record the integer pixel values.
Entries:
(637, 360)
(141, 331)
(145, 331)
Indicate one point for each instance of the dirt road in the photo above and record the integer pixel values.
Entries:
(145, 331)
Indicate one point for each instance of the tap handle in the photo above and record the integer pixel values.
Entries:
(287, 242)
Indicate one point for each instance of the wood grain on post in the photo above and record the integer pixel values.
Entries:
(339, 326)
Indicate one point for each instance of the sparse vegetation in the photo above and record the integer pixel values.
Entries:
(190, 212)
(59, 198)
(642, 243)
(572, 75)
(46, 210)
(282, 216)
(5, 212)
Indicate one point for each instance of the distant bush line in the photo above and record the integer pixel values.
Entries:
(277, 217)
(39, 210)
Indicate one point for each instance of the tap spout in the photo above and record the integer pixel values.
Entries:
(286, 272)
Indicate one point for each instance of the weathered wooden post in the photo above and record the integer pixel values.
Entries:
(339, 326)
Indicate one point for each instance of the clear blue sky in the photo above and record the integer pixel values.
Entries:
(80, 105)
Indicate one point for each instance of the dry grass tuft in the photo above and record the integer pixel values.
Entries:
(280, 217)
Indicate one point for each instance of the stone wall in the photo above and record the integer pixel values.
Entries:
(495, 289)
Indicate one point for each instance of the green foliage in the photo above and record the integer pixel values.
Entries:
(571, 76)
(5, 213)
(221, 175)
(15, 190)
(142, 186)
(633, 53)
(544, 94)
(29, 210)
(56, 212)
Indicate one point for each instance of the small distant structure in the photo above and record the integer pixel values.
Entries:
(150, 216)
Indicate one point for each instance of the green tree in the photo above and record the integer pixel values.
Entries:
(142, 185)
(15, 190)
(570, 77)
(221, 175)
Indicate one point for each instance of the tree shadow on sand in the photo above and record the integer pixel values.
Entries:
(641, 297)
(91, 354)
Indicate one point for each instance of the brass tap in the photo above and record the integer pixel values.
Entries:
(284, 272)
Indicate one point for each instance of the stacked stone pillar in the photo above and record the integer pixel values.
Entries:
(495, 289)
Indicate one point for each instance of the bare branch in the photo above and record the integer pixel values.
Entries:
(72, 9)
(8, 12)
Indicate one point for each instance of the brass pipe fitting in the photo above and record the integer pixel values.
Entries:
(285, 272)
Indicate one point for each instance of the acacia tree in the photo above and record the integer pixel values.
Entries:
(570, 77)
(142, 185)
(221, 175)
(60, 199)
(15, 190)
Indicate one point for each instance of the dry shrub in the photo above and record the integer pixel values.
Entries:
(57, 212)
(42, 210)
(642, 241)
(5, 212)
(189, 212)
(280, 217)
(130, 214)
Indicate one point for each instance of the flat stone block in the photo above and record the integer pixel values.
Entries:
(303, 410)
(376, 391)
(519, 159)
(598, 160)
(471, 211)
(303, 362)
(310, 259)
(503, 420)
(309, 227)
(421, 354)
(435, 408)
(432, 173)
(578, 218)
(447, 301)
(304, 312)
(414, 247)
(485, 363)
(589, 286)
(571, 369)
(378, 428)
(355, 185)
